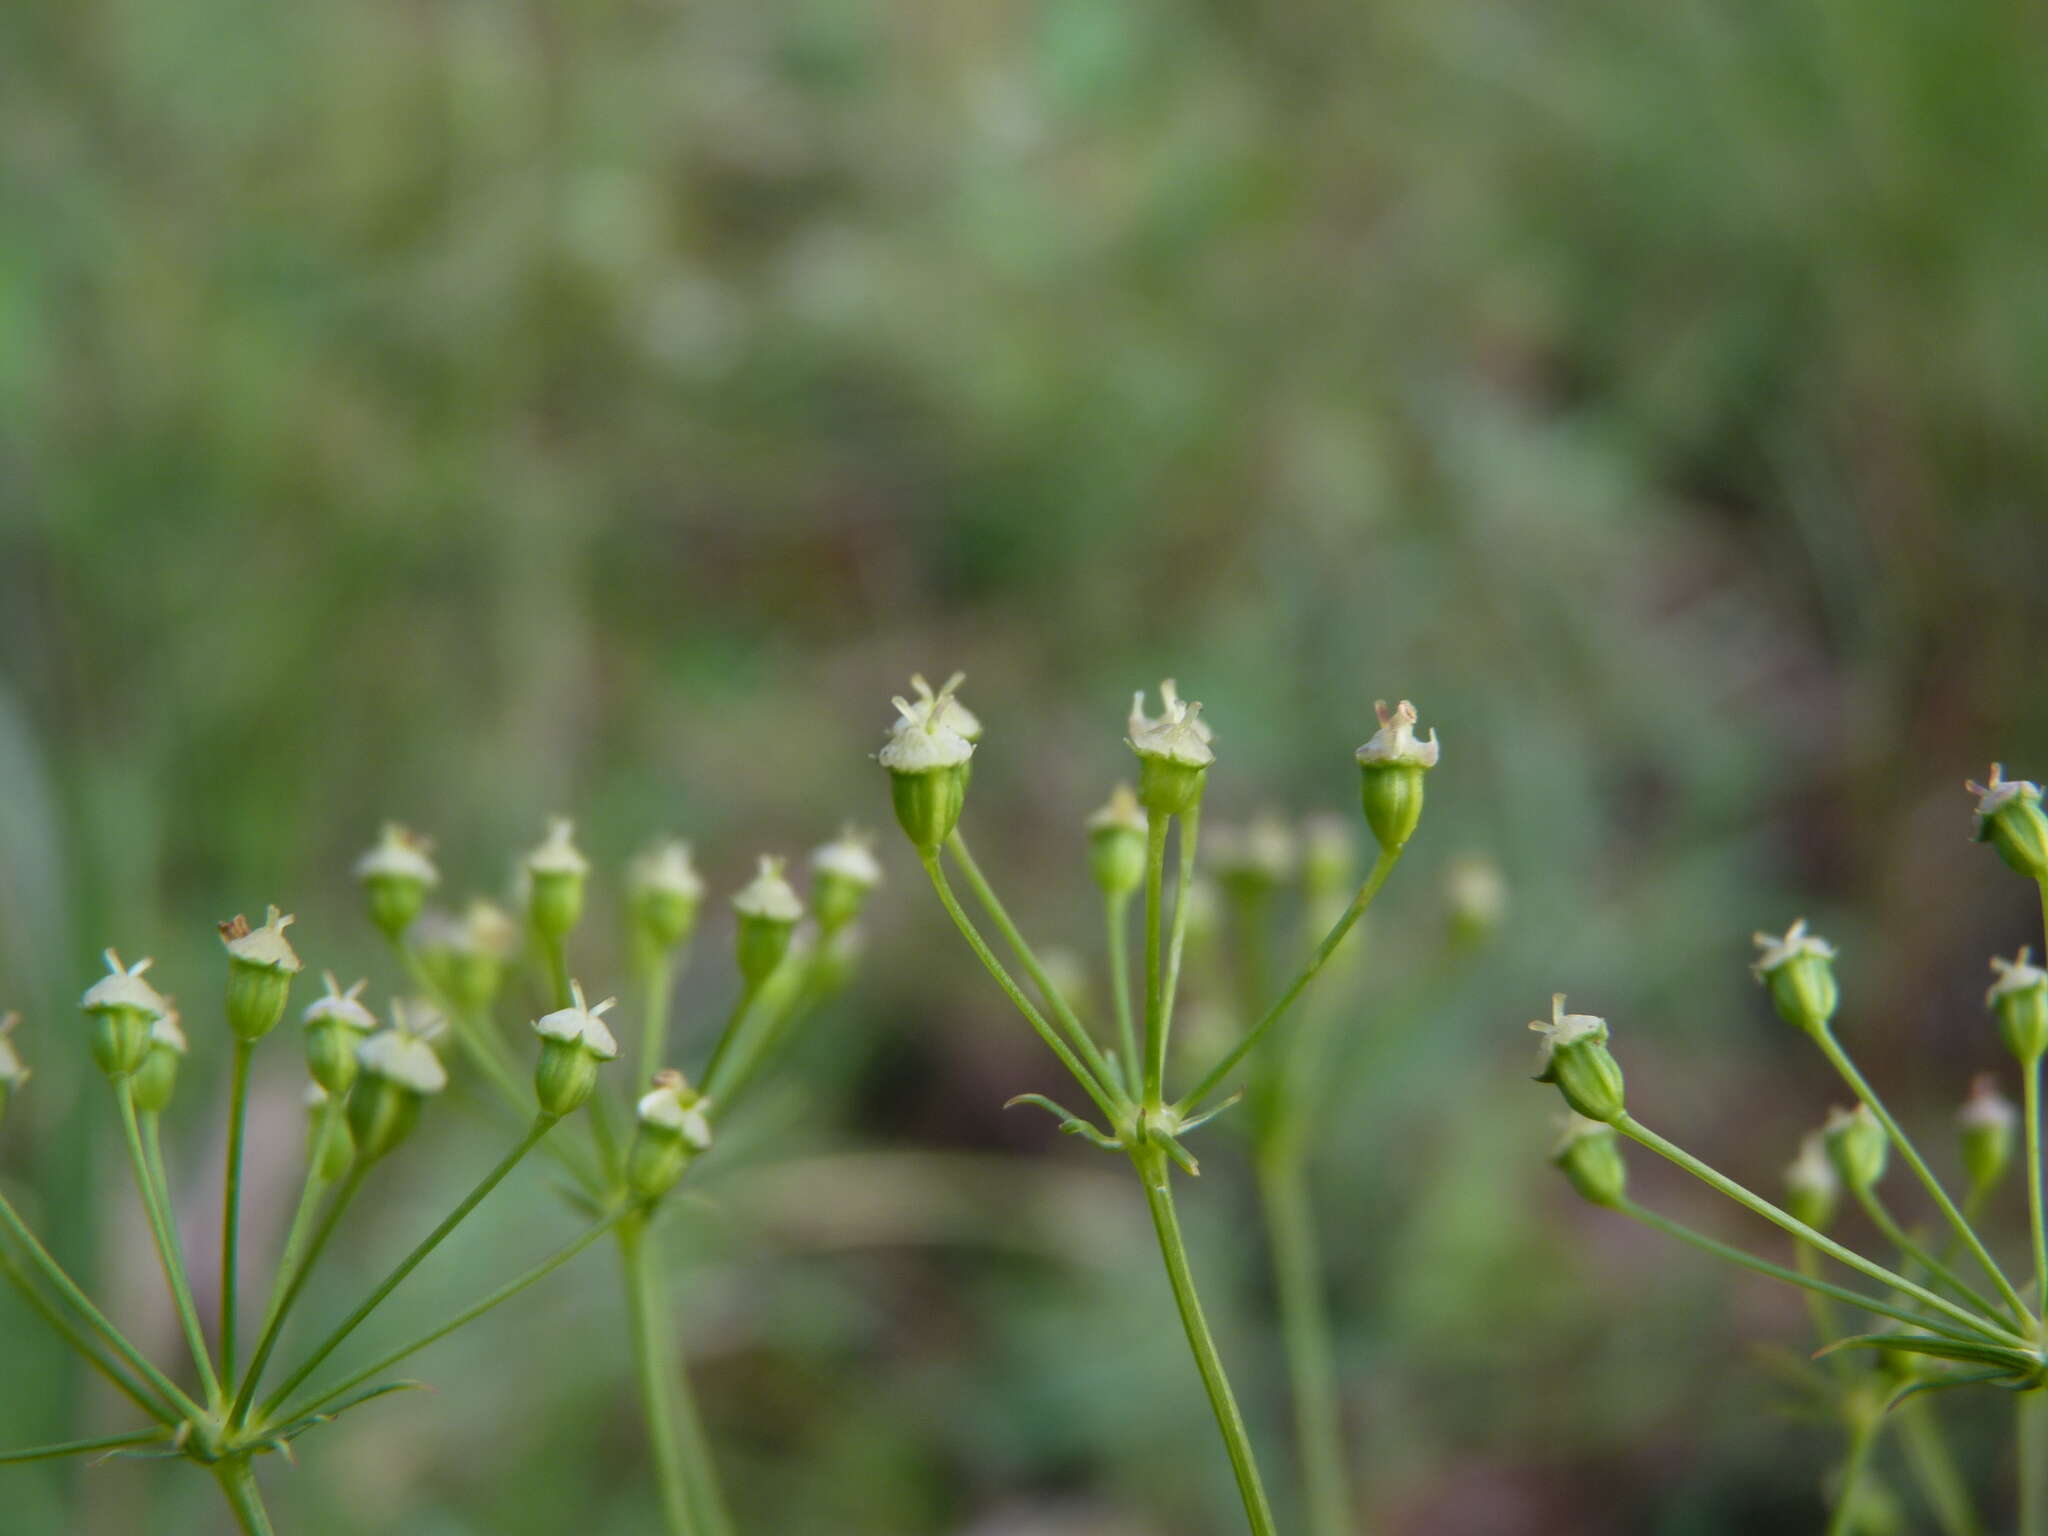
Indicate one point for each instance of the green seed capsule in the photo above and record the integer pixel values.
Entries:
(1812, 1188)
(157, 1078)
(928, 764)
(674, 1127)
(1857, 1146)
(1116, 844)
(556, 873)
(574, 1042)
(844, 873)
(1590, 1155)
(121, 1006)
(2020, 999)
(396, 876)
(336, 1026)
(1578, 1062)
(664, 893)
(2009, 817)
(1173, 753)
(261, 965)
(399, 1073)
(1799, 971)
(1391, 766)
(768, 911)
(1985, 1126)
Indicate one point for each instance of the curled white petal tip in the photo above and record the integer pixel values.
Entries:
(1395, 743)
(1793, 944)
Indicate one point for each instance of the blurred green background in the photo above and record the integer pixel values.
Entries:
(466, 411)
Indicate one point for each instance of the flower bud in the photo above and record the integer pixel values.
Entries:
(336, 1026)
(329, 1149)
(574, 1041)
(1392, 764)
(2020, 999)
(13, 1073)
(928, 760)
(122, 1006)
(1172, 750)
(1116, 843)
(663, 893)
(2009, 818)
(399, 1073)
(157, 1078)
(769, 912)
(1590, 1155)
(843, 873)
(1799, 970)
(396, 876)
(261, 965)
(1811, 1185)
(1576, 1058)
(485, 940)
(674, 1127)
(1256, 861)
(1329, 859)
(1857, 1146)
(1477, 897)
(1985, 1124)
(555, 873)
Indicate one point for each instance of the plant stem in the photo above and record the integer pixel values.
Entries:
(66, 1287)
(1103, 1099)
(728, 1039)
(1382, 867)
(1155, 990)
(1305, 1327)
(657, 981)
(1116, 912)
(231, 1204)
(2035, 1208)
(1832, 1049)
(2031, 1410)
(294, 1283)
(1077, 1032)
(1934, 1469)
(1190, 830)
(1863, 1433)
(169, 1258)
(541, 1126)
(502, 1294)
(81, 1447)
(690, 1500)
(310, 1191)
(238, 1482)
(69, 1332)
(1826, 1326)
(1153, 1173)
(1912, 1252)
(1629, 1126)
(558, 971)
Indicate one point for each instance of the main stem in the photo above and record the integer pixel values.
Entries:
(2032, 1411)
(1862, 1437)
(238, 1482)
(1305, 1327)
(2035, 1207)
(1153, 1173)
(167, 1252)
(691, 1504)
(231, 1204)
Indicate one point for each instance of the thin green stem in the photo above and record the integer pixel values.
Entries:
(1629, 1126)
(655, 1362)
(657, 981)
(70, 1333)
(1913, 1252)
(1059, 1047)
(1190, 830)
(1077, 1032)
(238, 1483)
(1382, 867)
(1153, 1173)
(1832, 1049)
(462, 1319)
(1305, 1329)
(310, 1190)
(1818, 1287)
(169, 1258)
(153, 1159)
(557, 951)
(1116, 911)
(728, 1040)
(2031, 1412)
(82, 1447)
(294, 1284)
(1863, 1432)
(231, 1205)
(2036, 1220)
(1934, 1469)
(1155, 988)
(1826, 1326)
(541, 1126)
(66, 1287)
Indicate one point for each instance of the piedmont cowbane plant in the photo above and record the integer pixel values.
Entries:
(929, 758)
(620, 1178)
(370, 1085)
(1957, 1319)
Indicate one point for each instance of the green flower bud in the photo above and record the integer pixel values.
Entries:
(13, 1073)
(1116, 843)
(329, 1148)
(1857, 1145)
(928, 761)
(1985, 1124)
(1576, 1058)
(843, 874)
(122, 1006)
(1172, 750)
(1255, 862)
(1811, 1185)
(674, 1127)
(261, 965)
(1477, 897)
(1590, 1155)
(157, 1078)
(2020, 999)
(1329, 859)
(573, 1043)
(2009, 818)
(399, 1073)
(396, 876)
(769, 912)
(555, 873)
(336, 1026)
(663, 893)
(1392, 765)
(465, 957)
(1799, 970)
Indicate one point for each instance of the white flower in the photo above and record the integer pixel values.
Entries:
(1794, 944)
(2015, 975)
(1394, 744)
(402, 1055)
(399, 855)
(343, 1007)
(2000, 792)
(265, 948)
(673, 1106)
(558, 853)
(942, 709)
(580, 1025)
(665, 869)
(1177, 733)
(1565, 1029)
(850, 856)
(121, 988)
(927, 736)
(768, 895)
(1986, 1107)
